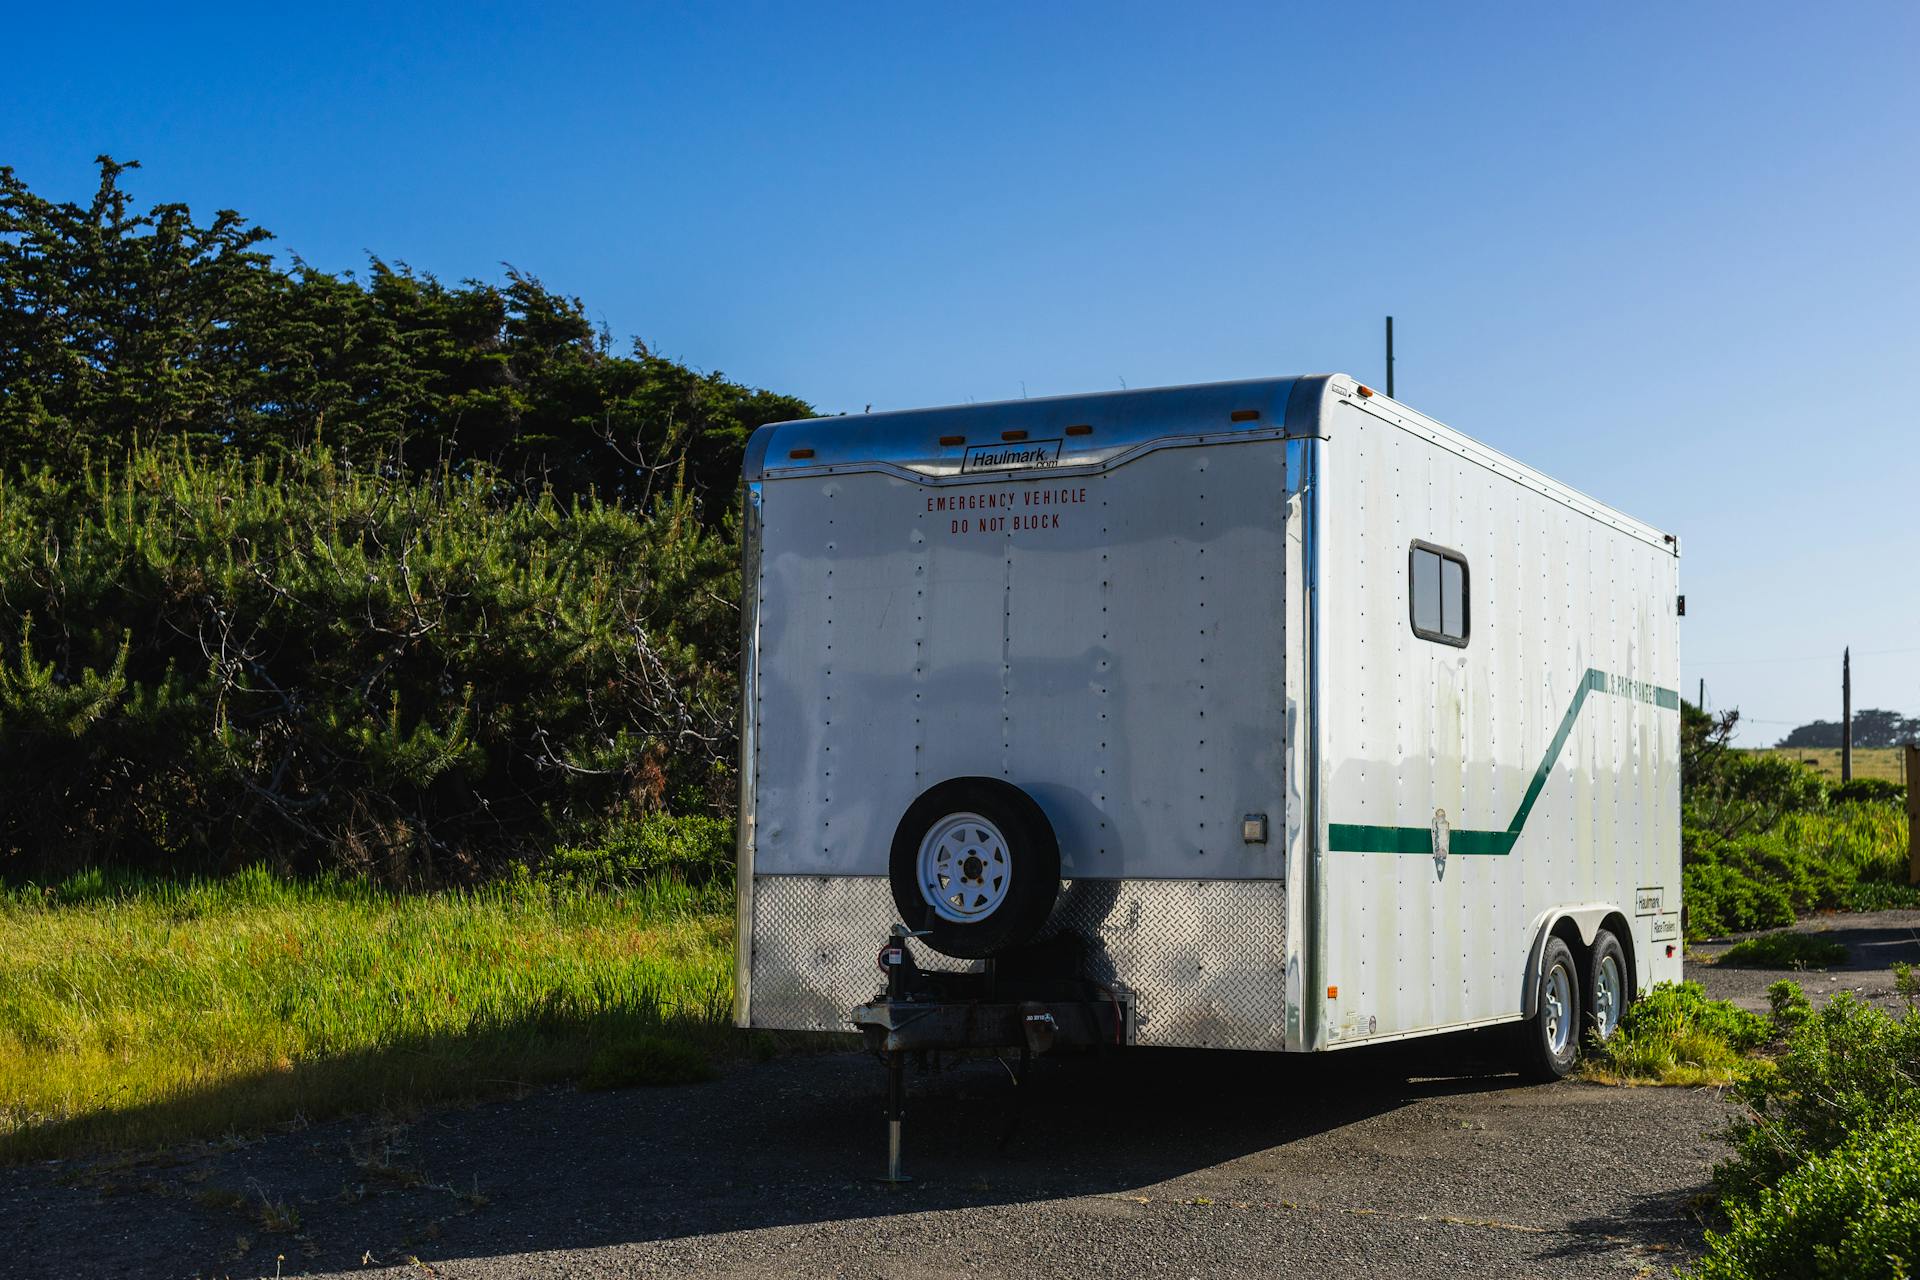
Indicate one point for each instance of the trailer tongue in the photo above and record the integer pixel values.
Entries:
(1003, 1006)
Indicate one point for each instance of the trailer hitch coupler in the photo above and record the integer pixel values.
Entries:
(896, 961)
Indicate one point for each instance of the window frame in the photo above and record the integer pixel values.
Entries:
(1466, 595)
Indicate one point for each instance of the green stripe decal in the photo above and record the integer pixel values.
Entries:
(1345, 837)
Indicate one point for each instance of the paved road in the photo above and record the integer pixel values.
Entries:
(1409, 1161)
(1875, 942)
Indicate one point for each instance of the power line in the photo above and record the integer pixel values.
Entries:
(1816, 657)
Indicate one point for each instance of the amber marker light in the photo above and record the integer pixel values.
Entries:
(1079, 429)
(953, 439)
(1013, 435)
(801, 453)
(1366, 392)
(1245, 415)
(1333, 993)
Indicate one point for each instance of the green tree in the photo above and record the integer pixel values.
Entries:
(119, 329)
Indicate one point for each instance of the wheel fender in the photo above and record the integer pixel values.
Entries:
(1586, 918)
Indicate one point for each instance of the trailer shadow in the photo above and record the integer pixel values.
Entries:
(797, 1140)
(1670, 1221)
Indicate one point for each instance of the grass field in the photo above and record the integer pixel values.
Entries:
(1868, 762)
(138, 1014)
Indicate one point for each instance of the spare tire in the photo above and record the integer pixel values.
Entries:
(975, 864)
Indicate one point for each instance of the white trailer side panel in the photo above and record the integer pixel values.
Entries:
(1568, 679)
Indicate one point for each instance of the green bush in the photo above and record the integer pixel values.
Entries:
(1848, 1068)
(1880, 895)
(211, 663)
(1676, 1035)
(1788, 1005)
(1784, 951)
(1809, 860)
(1851, 1212)
(1730, 891)
(1868, 790)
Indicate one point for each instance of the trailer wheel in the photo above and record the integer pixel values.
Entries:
(976, 864)
(1607, 988)
(1551, 1038)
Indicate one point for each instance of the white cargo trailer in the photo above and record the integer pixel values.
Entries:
(1260, 715)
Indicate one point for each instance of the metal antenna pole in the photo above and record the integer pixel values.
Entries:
(1389, 357)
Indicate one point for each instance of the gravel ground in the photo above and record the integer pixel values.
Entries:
(1405, 1161)
(1875, 941)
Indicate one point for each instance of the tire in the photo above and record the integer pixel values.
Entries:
(975, 863)
(1608, 990)
(1550, 1039)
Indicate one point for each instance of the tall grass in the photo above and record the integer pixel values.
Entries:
(1868, 839)
(138, 1012)
(1675, 1035)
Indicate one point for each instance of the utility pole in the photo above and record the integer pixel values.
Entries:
(1389, 357)
(1846, 714)
(1702, 704)
(1911, 762)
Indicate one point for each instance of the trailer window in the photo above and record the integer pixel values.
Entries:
(1438, 594)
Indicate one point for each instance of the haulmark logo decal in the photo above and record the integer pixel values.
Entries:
(1011, 457)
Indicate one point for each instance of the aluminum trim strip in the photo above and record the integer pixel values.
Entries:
(749, 746)
(1108, 463)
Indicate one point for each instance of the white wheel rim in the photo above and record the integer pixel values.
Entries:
(965, 870)
(1606, 997)
(1559, 1004)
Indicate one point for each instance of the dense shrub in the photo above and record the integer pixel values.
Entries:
(1730, 890)
(1847, 1068)
(1784, 950)
(1869, 790)
(1808, 860)
(1880, 895)
(1850, 1212)
(211, 662)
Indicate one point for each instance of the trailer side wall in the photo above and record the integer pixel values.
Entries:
(1542, 755)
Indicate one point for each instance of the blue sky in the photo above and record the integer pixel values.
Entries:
(1669, 254)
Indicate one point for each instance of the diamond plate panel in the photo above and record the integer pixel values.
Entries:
(1205, 959)
(816, 943)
